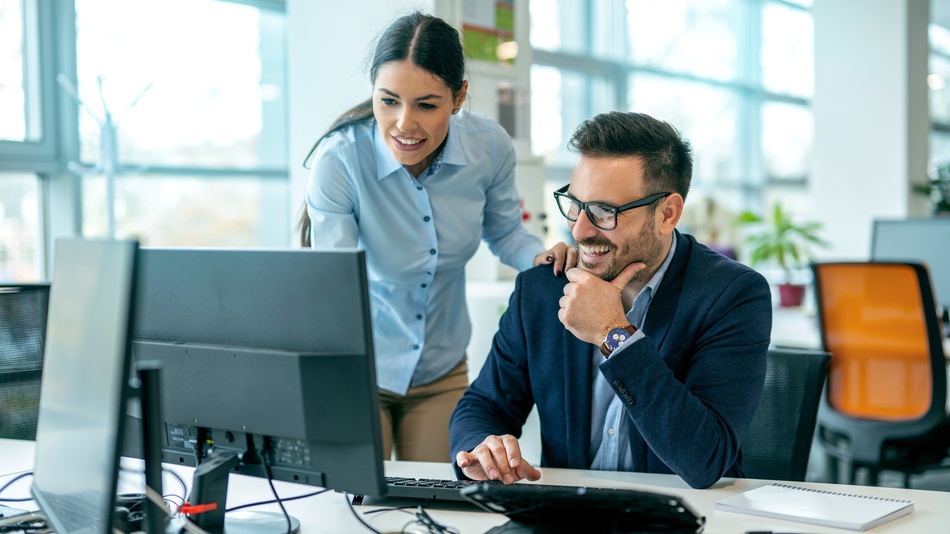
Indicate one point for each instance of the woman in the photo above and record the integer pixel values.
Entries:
(417, 182)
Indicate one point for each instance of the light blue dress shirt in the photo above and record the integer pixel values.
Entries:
(418, 235)
(609, 437)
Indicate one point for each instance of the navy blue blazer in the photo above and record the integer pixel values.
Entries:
(690, 387)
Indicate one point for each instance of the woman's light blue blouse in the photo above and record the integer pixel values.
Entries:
(418, 235)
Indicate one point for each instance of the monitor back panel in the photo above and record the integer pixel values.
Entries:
(265, 343)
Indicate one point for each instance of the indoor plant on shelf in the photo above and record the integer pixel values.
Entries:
(779, 241)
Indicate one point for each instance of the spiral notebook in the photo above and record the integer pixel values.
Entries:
(818, 507)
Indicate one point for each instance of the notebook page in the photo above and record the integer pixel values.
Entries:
(833, 509)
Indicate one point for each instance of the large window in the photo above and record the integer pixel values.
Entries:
(25, 143)
(164, 120)
(202, 137)
(19, 106)
(734, 76)
(20, 239)
(939, 84)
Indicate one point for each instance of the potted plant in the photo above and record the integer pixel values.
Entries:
(780, 241)
(938, 190)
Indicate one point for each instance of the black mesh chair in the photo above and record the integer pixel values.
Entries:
(23, 311)
(779, 439)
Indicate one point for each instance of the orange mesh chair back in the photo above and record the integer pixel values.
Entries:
(873, 323)
(887, 376)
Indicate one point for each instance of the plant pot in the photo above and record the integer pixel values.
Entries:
(791, 295)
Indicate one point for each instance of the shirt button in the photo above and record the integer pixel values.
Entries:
(419, 187)
(415, 347)
(431, 251)
(419, 316)
(426, 218)
(610, 431)
(425, 285)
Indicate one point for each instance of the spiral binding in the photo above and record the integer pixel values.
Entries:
(826, 492)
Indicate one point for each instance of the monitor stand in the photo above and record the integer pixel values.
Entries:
(210, 485)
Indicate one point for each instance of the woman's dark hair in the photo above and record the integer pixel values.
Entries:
(303, 227)
(430, 43)
(667, 157)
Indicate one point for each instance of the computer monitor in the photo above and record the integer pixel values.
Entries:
(919, 240)
(267, 367)
(85, 384)
(23, 309)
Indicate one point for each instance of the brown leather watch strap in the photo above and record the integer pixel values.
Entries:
(605, 349)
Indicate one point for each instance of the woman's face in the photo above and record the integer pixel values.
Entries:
(412, 108)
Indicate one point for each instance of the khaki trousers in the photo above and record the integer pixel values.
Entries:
(418, 423)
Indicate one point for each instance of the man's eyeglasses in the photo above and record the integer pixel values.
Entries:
(603, 216)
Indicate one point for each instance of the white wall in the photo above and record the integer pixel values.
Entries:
(328, 52)
(871, 117)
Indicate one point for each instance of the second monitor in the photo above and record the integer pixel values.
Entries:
(922, 239)
(267, 364)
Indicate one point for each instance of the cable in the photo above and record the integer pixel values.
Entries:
(422, 518)
(270, 481)
(170, 498)
(27, 525)
(357, 516)
(434, 527)
(163, 501)
(191, 526)
(10, 482)
(284, 499)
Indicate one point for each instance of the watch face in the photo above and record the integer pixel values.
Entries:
(615, 337)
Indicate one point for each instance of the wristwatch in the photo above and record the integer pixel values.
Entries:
(615, 336)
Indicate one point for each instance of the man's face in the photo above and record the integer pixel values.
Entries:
(614, 181)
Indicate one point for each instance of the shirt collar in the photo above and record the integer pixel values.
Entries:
(452, 153)
(658, 275)
(645, 296)
(386, 164)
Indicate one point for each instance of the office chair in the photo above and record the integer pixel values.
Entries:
(23, 309)
(884, 405)
(779, 440)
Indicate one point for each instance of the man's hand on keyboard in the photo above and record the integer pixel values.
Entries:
(497, 458)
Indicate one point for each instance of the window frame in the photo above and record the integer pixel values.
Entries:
(41, 52)
(752, 181)
(51, 50)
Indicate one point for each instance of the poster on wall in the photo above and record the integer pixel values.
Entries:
(488, 30)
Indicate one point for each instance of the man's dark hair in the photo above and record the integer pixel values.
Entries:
(667, 157)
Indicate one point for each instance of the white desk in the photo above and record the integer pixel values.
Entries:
(329, 513)
(16, 456)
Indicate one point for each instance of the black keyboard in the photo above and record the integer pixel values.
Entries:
(558, 508)
(571, 509)
(430, 489)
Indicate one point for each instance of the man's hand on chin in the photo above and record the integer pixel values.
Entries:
(591, 305)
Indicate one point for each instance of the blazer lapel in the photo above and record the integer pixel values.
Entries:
(667, 297)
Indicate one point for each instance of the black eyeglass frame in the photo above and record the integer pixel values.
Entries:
(617, 210)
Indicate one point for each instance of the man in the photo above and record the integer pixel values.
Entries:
(650, 356)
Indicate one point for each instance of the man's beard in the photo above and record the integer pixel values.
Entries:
(646, 248)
